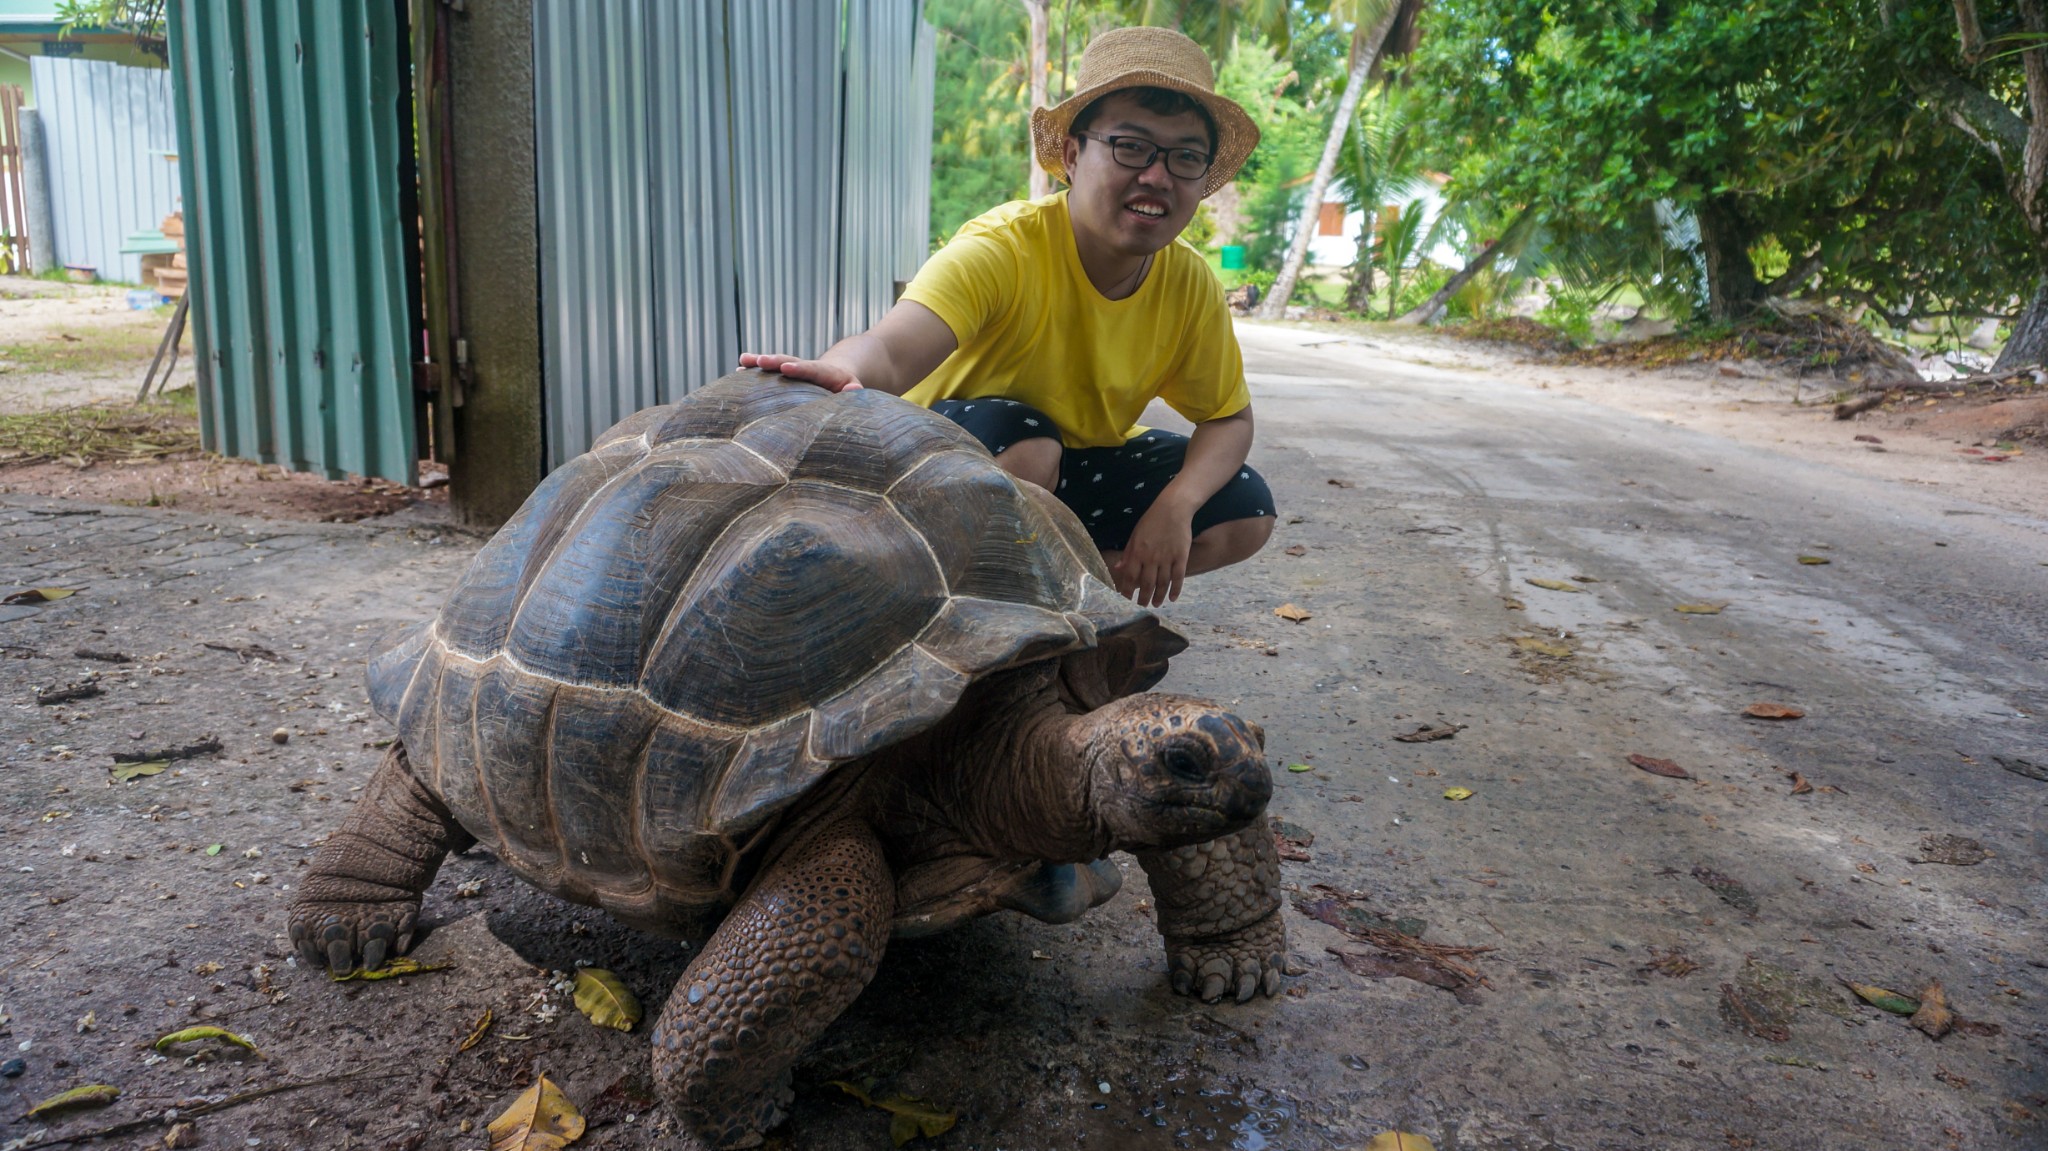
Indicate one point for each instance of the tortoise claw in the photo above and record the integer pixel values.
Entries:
(345, 937)
(1243, 964)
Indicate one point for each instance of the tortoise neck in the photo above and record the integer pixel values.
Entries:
(1010, 773)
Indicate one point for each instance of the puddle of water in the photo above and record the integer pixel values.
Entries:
(1181, 1113)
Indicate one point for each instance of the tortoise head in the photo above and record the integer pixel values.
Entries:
(1167, 770)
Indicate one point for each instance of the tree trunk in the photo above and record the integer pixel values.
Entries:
(1041, 182)
(1365, 49)
(1358, 294)
(1429, 308)
(1732, 288)
(2029, 342)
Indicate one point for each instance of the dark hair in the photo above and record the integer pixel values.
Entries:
(1158, 101)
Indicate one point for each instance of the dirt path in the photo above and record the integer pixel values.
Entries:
(1662, 953)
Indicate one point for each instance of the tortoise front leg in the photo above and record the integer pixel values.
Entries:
(789, 958)
(362, 897)
(1219, 909)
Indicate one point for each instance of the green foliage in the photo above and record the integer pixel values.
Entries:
(981, 152)
(1201, 231)
(144, 19)
(1790, 123)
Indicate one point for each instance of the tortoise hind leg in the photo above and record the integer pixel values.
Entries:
(361, 898)
(797, 949)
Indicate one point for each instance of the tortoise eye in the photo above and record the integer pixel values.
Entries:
(1185, 763)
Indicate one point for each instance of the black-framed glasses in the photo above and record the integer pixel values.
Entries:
(1137, 152)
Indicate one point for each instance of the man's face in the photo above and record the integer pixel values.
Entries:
(1131, 211)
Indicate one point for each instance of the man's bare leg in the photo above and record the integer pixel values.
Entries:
(1036, 459)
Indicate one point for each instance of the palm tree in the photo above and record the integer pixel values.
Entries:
(1379, 167)
(1371, 23)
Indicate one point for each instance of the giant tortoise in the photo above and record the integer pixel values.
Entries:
(811, 669)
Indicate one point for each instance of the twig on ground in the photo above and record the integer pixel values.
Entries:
(178, 1114)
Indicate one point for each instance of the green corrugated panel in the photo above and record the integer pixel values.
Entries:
(289, 137)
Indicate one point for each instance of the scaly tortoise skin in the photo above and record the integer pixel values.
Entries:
(812, 669)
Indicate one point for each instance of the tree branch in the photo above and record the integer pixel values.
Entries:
(1427, 310)
(1970, 30)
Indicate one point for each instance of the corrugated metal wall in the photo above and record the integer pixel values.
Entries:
(289, 129)
(109, 136)
(688, 205)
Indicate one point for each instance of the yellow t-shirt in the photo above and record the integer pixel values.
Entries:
(1032, 328)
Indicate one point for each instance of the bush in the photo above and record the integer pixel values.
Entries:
(1570, 314)
(1418, 284)
(1201, 231)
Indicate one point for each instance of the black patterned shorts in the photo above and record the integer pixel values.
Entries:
(1110, 488)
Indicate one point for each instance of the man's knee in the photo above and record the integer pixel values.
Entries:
(1036, 459)
(1232, 541)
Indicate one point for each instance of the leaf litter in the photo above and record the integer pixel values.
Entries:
(1293, 841)
(1398, 943)
(1731, 890)
(1761, 710)
(1431, 732)
(1954, 850)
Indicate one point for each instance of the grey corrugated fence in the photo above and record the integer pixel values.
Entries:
(108, 138)
(716, 177)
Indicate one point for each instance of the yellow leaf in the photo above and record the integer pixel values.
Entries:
(91, 1095)
(1876, 996)
(194, 1034)
(1542, 647)
(392, 969)
(1398, 1141)
(541, 1119)
(476, 1034)
(1459, 793)
(1288, 611)
(607, 1002)
(1512, 604)
(39, 595)
(123, 772)
(1700, 608)
(908, 1118)
(1811, 561)
(1553, 584)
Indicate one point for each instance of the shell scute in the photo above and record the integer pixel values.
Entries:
(803, 594)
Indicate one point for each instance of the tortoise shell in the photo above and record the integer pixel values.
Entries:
(685, 629)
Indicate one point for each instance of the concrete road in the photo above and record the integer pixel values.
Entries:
(1662, 954)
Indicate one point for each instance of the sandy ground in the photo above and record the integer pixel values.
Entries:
(34, 312)
(1662, 955)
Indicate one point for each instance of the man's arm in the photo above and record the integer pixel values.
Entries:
(1155, 561)
(894, 356)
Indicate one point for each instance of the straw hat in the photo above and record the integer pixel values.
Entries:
(1147, 58)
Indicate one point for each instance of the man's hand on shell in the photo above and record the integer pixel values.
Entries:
(830, 377)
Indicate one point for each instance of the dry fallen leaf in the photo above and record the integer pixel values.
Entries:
(476, 1034)
(1700, 608)
(39, 595)
(908, 1118)
(194, 1034)
(1459, 793)
(1934, 1017)
(607, 1002)
(1398, 1141)
(541, 1119)
(1430, 733)
(1289, 612)
(1297, 550)
(124, 772)
(1800, 786)
(1530, 643)
(392, 969)
(1553, 584)
(1773, 711)
(1663, 767)
(1512, 604)
(1876, 996)
(90, 1095)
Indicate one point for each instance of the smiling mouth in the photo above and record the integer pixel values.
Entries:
(1147, 210)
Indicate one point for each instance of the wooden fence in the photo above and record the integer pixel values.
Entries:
(13, 207)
